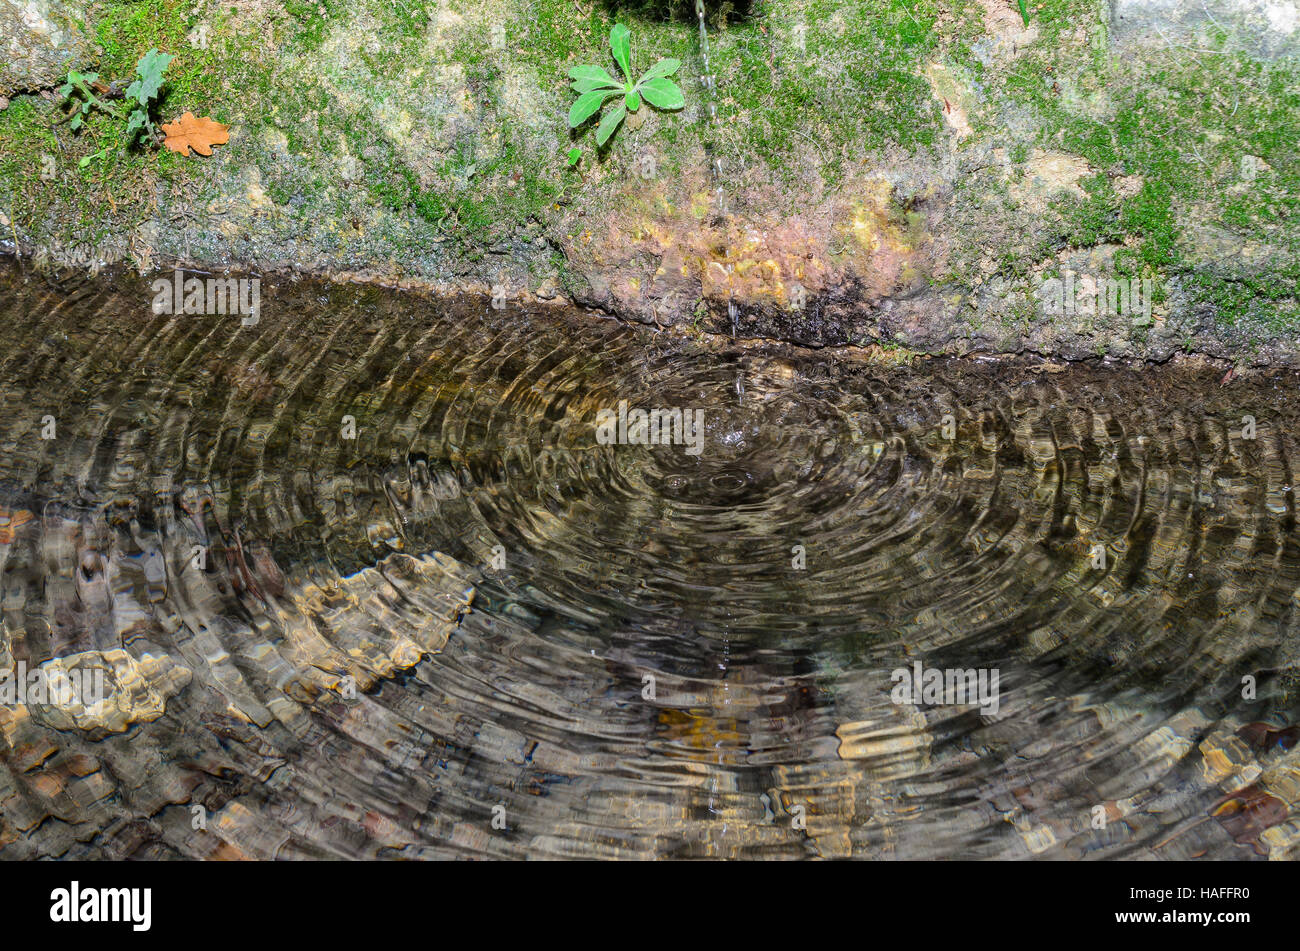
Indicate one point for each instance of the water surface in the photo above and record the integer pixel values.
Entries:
(612, 649)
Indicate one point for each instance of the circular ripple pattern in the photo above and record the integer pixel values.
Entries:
(369, 585)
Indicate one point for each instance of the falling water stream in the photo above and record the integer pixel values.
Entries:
(708, 90)
(363, 575)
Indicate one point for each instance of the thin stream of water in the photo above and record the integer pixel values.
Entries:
(708, 88)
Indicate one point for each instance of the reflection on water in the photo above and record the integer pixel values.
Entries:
(366, 584)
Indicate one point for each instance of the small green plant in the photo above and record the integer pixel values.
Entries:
(80, 89)
(594, 86)
(1024, 11)
(83, 83)
(575, 156)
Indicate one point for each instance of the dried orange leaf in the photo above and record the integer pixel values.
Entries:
(189, 132)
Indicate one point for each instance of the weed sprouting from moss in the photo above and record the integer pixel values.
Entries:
(595, 86)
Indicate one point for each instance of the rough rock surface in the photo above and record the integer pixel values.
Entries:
(39, 41)
(1268, 28)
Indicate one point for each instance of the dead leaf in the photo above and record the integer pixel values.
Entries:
(189, 132)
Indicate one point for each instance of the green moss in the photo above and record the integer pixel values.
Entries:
(112, 193)
(1182, 125)
(310, 21)
(803, 80)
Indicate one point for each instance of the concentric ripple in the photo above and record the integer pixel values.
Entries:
(368, 585)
